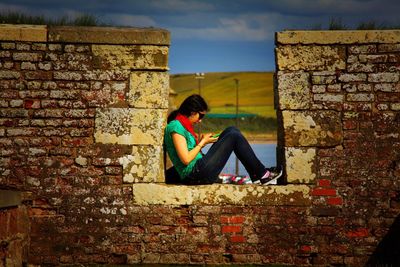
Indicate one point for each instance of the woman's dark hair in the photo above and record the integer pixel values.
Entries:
(193, 103)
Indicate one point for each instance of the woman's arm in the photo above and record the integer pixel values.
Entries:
(184, 154)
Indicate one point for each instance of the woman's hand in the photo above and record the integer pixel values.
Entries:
(207, 139)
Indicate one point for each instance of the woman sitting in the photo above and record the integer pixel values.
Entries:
(184, 148)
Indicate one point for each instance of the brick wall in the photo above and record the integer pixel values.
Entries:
(339, 109)
(81, 115)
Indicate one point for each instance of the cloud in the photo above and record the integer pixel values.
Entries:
(130, 20)
(182, 5)
(248, 27)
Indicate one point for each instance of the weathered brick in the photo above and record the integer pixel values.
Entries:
(8, 45)
(361, 67)
(387, 87)
(80, 113)
(48, 113)
(28, 66)
(334, 88)
(319, 89)
(49, 103)
(300, 165)
(63, 94)
(16, 103)
(388, 77)
(71, 104)
(371, 58)
(389, 48)
(22, 132)
(55, 47)
(307, 128)
(395, 106)
(23, 47)
(323, 79)
(363, 49)
(328, 97)
(310, 58)
(5, 54)
(13, 113)
(359, 77)
(45, 66)
(362, 97)
(39, 46)
(67, 75)
(294, 90)
(147, 89)
(38, 75)
(9, 74)
(32, 104)
(26, 56)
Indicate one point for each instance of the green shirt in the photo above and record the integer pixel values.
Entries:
(176, 127)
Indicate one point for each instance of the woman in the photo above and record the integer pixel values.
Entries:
(184, 148)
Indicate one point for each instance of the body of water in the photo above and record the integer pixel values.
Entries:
(265, 152)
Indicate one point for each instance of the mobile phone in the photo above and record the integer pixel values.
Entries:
(216, 135)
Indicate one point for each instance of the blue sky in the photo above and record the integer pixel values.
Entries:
(218, 35)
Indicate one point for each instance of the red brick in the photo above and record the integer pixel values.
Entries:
(231, 229)
(335, 201)
(323, 192)
(324, 183)
(238, 239)
(349, 125)
(32, 104)
(232, 219)
(360, 232)
(305, 249)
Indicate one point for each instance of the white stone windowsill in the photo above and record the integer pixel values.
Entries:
(220, 194)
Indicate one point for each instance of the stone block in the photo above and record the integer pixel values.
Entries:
(110, 57)
(216, 194)
(389, 48)
(129, 126)
(383, 77)
(144, 164)
(338, 37)
(329, 58)
(26, 56)
(329, 97)
(300, 165)
(9, 75)
(307, 128)
(27, 33)
(361, 97)
(294, 90)
(387, 87)
(359, 77)
(148, 90)
(108, 35)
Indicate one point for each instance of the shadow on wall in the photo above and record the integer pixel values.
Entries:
(387, 253)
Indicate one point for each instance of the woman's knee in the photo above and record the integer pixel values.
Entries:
(232, 129)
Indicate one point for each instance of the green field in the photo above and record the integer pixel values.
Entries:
(219, 89)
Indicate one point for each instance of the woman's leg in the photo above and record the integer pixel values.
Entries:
(231, 140)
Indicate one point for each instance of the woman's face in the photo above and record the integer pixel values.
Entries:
(196, 117)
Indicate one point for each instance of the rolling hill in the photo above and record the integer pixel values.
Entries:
(219, 89)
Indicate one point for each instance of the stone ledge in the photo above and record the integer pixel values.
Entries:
(109, 35)
(27, 33)
(217, 194)
(338, 37)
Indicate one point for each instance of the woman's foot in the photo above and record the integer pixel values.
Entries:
(270, 176)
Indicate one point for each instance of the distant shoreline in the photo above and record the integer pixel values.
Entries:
(261, 138)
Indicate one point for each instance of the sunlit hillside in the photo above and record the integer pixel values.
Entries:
(219, 90)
